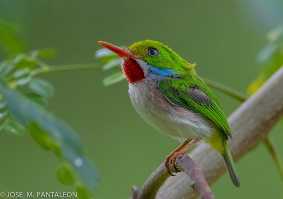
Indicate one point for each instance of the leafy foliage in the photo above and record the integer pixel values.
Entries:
(19, 73)
(111, 62)
(23, 98)
(270, 57)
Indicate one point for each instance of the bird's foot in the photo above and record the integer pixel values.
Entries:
(170, 162)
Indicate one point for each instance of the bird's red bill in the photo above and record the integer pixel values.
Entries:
(123, 53)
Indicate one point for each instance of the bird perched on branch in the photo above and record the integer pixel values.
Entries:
(167, 92)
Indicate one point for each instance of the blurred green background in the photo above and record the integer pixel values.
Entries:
(222, 37)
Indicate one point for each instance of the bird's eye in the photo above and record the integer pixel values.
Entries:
(152, 51)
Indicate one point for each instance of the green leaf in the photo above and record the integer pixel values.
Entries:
(65, 174)
(41, 88)
(10, 40)
(270, 58)
(12, 127)
(114, 78)
(275, 34)
(272, 53)
(83, 193)
(43, 139)
(19, 74)
(110, 61)
(104, 55)
(112, 64)
(266, 53)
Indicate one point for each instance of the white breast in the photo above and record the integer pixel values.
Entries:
(168, 118)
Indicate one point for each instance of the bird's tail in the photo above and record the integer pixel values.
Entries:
(230, 165)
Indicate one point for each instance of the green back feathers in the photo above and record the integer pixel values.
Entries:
(166, 58)
(193, 94)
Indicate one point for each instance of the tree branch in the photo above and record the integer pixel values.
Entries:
(266, 141)
(250, 123)
(189, 167)
(185, 164)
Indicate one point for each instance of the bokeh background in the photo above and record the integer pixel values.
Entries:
(222, 37)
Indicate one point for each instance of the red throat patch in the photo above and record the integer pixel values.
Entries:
(132, 70)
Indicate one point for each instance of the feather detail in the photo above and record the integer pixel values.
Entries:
(198, 95)
(193, 94)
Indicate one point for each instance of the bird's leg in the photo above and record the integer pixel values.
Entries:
(180, 150)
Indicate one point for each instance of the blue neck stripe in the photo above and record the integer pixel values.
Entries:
(162, 72)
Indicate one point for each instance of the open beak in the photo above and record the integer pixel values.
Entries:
(121, 52)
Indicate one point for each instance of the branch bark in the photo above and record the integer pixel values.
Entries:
(189, 167)
(250, 123)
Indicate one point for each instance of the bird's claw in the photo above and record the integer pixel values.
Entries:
(170, 163)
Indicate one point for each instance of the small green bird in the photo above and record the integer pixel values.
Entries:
(167, 92)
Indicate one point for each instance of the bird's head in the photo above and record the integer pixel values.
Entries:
(149, 59)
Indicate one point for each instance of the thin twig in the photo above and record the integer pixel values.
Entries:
(227, 90)
(274, 155)
(152, 184)
(70, 67)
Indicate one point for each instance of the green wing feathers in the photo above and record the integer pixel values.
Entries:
(193, 94)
